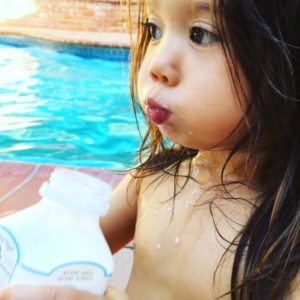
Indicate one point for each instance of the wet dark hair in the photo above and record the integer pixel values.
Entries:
(262, 38)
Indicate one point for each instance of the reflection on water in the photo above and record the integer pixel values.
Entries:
(60, 108)
(18, 70)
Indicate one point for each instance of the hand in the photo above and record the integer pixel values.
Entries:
(7, 213)
(22, 292)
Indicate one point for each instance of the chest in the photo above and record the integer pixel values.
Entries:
(181, 244)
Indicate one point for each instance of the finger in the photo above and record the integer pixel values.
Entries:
(7, 213)
(44, 293)
(115, 294)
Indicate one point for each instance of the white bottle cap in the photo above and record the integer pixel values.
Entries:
(78, 191)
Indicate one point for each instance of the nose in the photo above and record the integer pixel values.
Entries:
(164, 66)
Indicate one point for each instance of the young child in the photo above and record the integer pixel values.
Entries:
(214, 214)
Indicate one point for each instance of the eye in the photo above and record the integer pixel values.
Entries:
(202, 36)
(153, 30)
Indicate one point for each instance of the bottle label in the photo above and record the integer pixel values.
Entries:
(9, 255)
(82, 275)
(85, 275)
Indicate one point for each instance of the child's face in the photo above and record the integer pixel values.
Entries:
(184, 84)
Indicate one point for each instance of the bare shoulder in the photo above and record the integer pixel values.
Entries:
(295, 293)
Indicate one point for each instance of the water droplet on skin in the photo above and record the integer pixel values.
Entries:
(196, 172)
(177, 241)
(204, 177)
(195, 193)
(142, 203)
(158, 246)
(187, 205)
(193, 197)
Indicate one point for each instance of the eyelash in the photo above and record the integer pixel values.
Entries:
(151, 28)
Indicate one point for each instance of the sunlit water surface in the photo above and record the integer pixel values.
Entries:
(64, 109)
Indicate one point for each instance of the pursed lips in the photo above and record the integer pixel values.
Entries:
(156, 112)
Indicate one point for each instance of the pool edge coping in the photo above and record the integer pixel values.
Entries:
(72, 37)
(25, 178)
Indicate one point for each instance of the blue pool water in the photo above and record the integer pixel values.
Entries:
(65, 109)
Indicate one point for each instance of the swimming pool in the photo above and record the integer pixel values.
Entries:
(65, 109)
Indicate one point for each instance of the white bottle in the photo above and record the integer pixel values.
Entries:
(58, 240)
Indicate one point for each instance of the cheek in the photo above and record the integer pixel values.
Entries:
(212, 114)
(141, 84)
(212, 92)
(143, 72)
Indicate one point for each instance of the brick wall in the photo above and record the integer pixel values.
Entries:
(83, 15)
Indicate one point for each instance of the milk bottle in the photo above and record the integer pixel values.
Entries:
(58, 240)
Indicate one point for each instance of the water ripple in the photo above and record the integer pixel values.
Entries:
(59, 108)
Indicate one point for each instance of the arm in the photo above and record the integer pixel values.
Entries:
(118, 225)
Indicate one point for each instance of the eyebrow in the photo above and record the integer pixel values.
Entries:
(201, 6)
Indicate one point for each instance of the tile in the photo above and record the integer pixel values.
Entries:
(20, 182)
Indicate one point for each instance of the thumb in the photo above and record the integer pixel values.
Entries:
(115, 294)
